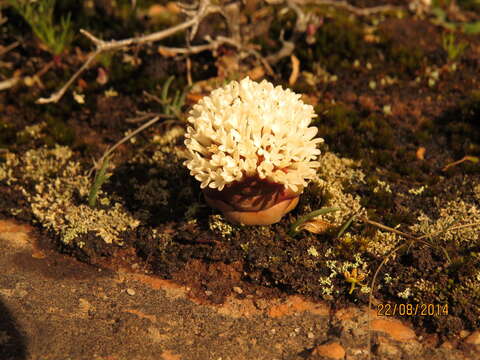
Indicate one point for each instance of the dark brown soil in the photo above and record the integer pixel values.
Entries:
(395, 92)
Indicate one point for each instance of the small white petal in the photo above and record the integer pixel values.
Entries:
(247, 128)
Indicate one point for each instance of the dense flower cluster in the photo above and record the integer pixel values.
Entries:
(248, 129)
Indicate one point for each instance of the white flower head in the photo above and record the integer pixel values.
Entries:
(248, 129)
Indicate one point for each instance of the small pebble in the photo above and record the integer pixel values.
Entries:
(130, 292)
(310, 335)
(238, 290)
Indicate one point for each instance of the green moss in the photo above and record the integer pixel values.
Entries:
(58, 132)
(106, 59)
(7, 134)
(349, 244)
(347, 132)
(220, 227)
(406, 59)
(461, 126)
(339, 42)
(472, 5)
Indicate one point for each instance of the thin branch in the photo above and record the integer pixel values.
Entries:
(473, 159)
(58, 95)
(9, 83)
(232, 16)
(125, 139)
(204, 9)
(353, 9)
(188, 60)
(142, 116)
(303, 20)
(387, 228)
(288, 46)
(456, 227)
(8, 48)
(213, 45)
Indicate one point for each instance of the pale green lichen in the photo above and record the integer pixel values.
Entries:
(153, 193)
(7, 167)
(312, 251)
(327, 286)
(476, 190)
(33, 131)
(334, 175)
(170, 135)
(39, 164)
(167, 153)
(107, 224)
(387, 278)
(405, 294)
(424, 286)
(452, 215)
(382, 186)
(417, 191)
(382, 243)
(219, 226)
(338, 268)
(51, 181)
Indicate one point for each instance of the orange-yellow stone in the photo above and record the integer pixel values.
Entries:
(394, 328)
(333, 350)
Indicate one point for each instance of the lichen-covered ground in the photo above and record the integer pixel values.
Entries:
(398, 101)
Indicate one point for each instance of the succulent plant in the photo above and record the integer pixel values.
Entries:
(251, 147)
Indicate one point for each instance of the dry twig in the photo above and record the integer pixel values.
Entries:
(295, 70)
(7, 84)
(196, 15)
(387, 228)
(473, 159)
(353, 9)
(288, 46)
(304, 19)
(125, 139)
(8, 48)
(142, 116)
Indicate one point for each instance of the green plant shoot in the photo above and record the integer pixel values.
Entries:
(100, 177)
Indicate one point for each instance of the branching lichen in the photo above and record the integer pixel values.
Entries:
(453, 213)
(382, 242)
(334, 175)
(338, 269)
(6, 168)
(153, 193)
(219, 226)
(53, 184)
(108, 224)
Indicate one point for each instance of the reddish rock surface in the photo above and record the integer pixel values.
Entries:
(54, 307)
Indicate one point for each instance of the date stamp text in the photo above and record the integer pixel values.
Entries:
(418, 309)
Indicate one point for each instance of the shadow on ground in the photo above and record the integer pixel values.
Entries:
(12, 342)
